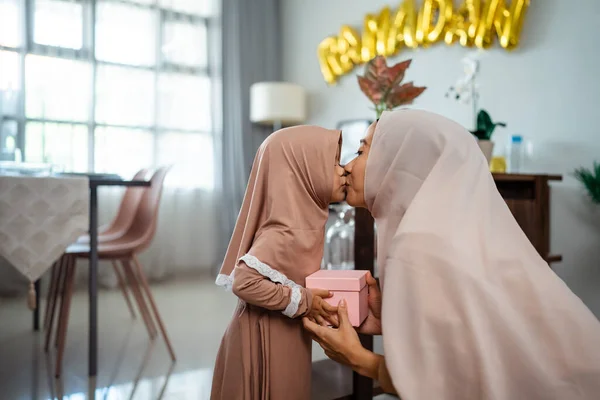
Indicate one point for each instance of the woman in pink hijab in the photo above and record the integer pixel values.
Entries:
(277, 242)
(470, 310)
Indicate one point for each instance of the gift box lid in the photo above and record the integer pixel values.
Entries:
(337, 280)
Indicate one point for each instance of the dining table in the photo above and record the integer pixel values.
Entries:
(22, 182)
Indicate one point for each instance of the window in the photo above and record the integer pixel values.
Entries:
(125, 33)
(58, 23)
(10, 23)
(125, 87)
(128, 148)
(189, 169)
(57, 89)
(181, 44)
(124, 96)
(57, 143)
(8, 140)
(9, 83)
(193, 7)
(184, 102)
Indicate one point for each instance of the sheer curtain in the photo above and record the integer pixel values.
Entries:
(185, 242)
(144, 90)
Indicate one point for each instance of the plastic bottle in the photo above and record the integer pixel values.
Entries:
(515, 154)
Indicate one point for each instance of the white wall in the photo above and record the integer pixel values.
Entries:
(548, 90)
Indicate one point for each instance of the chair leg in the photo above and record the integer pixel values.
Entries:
(137, 294)
(61, 295)
(59, 283)
(144, 282)
(123, 286)
(50, 294)
(64, 317)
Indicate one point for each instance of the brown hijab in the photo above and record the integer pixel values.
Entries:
(282, 219)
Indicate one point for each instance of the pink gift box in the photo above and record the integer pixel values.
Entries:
(349, 285)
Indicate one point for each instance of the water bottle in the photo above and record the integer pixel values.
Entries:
(515, 154)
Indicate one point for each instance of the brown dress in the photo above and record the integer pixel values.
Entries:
(277, 242)
(263, 354)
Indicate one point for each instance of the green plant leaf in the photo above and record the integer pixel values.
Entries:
(480, 134)
(485, 123)
(590, 179)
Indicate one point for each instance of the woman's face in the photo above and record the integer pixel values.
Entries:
(355, 171)
(338, 193)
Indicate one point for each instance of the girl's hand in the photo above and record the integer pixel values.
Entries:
(322, 312)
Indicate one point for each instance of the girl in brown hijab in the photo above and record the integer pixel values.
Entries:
(276, 244)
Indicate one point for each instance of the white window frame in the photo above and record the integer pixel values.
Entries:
(87, 54)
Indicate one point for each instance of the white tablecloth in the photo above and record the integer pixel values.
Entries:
(39, 218)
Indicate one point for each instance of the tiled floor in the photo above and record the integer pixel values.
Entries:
(130, 366)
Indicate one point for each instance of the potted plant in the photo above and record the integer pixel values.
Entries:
(383, 85)
(483, 132)
(590, 179)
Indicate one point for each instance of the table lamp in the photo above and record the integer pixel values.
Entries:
(277, 104)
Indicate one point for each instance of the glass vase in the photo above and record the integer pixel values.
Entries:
(339, 240)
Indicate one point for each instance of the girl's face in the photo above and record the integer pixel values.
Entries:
(338, 193)
(355, 171)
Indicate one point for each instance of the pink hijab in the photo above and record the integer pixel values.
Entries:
(470, 310)
(281, 224)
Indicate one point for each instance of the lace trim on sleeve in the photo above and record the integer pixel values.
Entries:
(225, 281)
(277, 277)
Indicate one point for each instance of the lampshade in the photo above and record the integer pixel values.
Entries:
(273, 103)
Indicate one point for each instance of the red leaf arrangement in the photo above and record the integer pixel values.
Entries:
(383, 85)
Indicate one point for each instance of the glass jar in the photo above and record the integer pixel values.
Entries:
(339, 240)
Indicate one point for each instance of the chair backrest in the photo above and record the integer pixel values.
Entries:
(144, 223)
(127, 209)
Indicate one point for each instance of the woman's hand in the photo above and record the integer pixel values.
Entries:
(372, 325)
(322, 312)
(343, 345)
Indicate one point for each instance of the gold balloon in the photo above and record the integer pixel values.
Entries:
(484, 37)
(426, 33)
(396, 34)
(376, 39)
(383, 32)
(473, 23)
(369, 36)
(348, 47)
(409, 24)
(507, 23)
(326, 55)
(462, 26)
(509, 29)
(474, 11)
